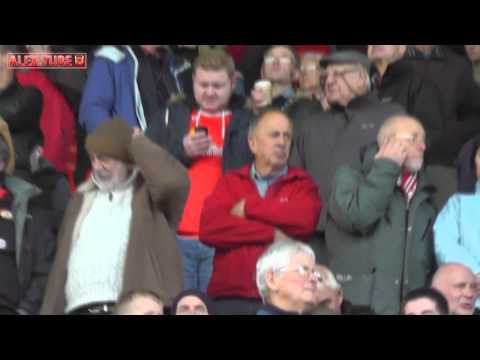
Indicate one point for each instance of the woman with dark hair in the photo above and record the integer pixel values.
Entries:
(457, 229)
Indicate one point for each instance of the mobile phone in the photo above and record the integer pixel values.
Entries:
(200, 129)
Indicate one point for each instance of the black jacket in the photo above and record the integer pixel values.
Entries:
(172, 124)
(21, 108)
(36, 243)
(460, 95)
(422, 99)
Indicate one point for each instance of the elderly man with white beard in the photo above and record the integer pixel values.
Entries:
(118, 232)
(380, 216)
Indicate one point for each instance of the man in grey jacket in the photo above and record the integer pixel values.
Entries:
(330, 139)
(379, 228)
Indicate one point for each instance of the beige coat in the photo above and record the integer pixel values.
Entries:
(153, 260)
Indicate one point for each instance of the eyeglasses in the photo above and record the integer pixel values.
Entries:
(414, 139)
(338, 74)
(283, 60)
(303, 271)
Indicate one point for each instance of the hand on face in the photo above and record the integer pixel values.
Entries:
(394, 150)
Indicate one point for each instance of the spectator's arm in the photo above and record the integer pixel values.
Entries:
(166, 179)
(297, 215)
(220, 229)
(98, 96)
(448, 242)
(357, 201)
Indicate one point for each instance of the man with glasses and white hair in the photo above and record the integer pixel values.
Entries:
(380, 216)
(286, 279)
(333, 138)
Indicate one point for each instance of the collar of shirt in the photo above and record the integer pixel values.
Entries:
(263, 183)
(271, 178)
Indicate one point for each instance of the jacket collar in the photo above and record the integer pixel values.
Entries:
(273, 310)
(359, 102)
(90, 185)
(292, 173)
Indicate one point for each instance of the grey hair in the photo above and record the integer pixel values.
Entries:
(275, 258)
(257, 120)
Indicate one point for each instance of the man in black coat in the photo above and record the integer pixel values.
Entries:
(460, 96)
(397, 80)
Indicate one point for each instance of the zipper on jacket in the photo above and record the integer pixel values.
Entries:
(407, 235)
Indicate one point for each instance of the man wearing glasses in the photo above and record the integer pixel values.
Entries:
(380, 216)
(286, 279)
(336, 137)
(280, 67)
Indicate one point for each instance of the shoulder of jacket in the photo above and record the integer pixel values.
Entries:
(111, 53)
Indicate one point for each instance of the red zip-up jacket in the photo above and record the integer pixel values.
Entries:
(292, 204)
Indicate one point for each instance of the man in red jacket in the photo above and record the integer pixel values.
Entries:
(253, 207)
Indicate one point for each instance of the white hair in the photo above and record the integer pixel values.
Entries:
(275, 258)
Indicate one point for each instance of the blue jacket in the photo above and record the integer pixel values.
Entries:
(457, 231)
(112, 88)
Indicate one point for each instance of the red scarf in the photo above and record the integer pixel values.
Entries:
(408, 183)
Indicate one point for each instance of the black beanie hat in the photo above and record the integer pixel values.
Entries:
(193, 292)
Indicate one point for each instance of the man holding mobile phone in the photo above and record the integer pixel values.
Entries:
(209, 136)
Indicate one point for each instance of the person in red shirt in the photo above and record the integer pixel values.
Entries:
(253, 207)
(208, 135)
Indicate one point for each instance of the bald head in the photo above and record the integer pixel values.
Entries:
(396, 124)
(459, 286)
(411, 133)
